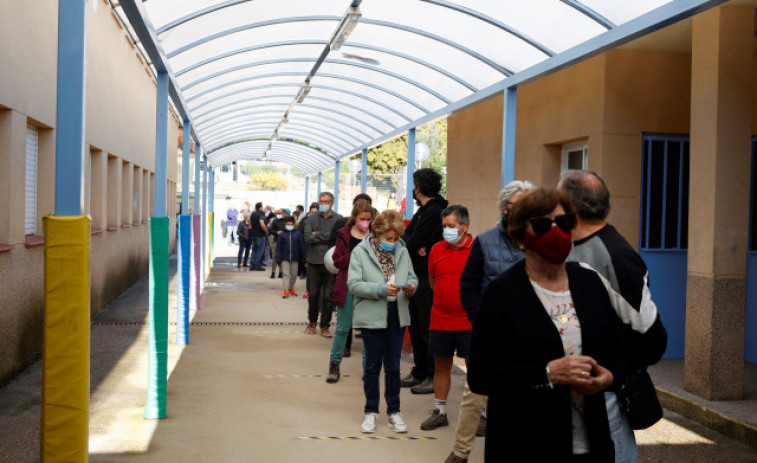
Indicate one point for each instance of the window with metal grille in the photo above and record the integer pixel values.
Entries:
(32, 156)
(664, 192)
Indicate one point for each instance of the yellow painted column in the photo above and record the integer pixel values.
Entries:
(65, 358)
(721, 97)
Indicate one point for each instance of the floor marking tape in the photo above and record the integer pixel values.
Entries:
(297, 376)
(363, 438)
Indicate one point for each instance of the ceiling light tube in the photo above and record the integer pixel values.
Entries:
(350, 20)
(304, 90)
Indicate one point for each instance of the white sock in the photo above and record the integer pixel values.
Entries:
(441, 405)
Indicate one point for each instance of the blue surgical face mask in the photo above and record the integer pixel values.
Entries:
(324, 208)
(450, 235)
(289, 227)
(388, 247)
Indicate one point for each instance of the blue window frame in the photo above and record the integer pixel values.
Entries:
(665, 192)
(753, 200)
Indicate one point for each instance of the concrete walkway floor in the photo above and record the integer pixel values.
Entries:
(250, 387)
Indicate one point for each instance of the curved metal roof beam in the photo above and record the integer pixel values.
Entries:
(199, 13)
(223, 138)
(439, 38)
(262, 87)
(314, 60)
(257, 98)
(297, 110)
(604, 22)
(326, 139)
(242, 156)
(415, 60)
(239, 51)
(304, 74)
(240, 122)
(212, 115)
(364, 20)
(276, 115)
(339, 128)
(245, 27)
(292, 147)
(494, 22)
(316, 125)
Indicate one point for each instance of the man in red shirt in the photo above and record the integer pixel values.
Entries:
(450, 328)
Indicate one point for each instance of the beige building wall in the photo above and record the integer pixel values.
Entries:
(120, 133)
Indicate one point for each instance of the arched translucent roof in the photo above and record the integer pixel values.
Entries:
(251, 72)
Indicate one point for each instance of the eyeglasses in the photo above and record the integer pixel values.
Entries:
(542, 225)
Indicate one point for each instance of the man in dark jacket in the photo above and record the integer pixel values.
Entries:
(424, 231)
(258, 235)
(599, 244)
(276, 227)
(492, 253)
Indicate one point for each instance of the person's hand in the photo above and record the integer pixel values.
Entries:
(422, 251)
(410, 290)
(392, 290)
(313, 233)
(572, 370)
(279, 232)
(602, 379)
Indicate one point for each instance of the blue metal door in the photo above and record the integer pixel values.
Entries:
(663, 237)
(750, 343)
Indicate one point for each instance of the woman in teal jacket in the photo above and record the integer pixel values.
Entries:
(381, 279)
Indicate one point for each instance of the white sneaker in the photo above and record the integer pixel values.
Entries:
(397, 423)
(369, 423)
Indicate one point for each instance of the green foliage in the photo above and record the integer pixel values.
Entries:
(267, 181)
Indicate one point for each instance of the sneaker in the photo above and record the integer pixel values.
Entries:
(347, 352)
(481, 431)
(452, 458)
(291, 292)
(435, 420)
(306, 294)
(310, 328)
(409, 381)
(425, 387)
(333, 375)
(325, 332)
(286, 295)
(369, 423)
(397, 423)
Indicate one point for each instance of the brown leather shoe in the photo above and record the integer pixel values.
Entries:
(325, 332)
(310, 328)
(452, 458)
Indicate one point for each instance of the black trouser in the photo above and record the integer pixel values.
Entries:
(420, 320)
(320, 283)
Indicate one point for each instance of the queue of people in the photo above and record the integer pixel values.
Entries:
(550, 310)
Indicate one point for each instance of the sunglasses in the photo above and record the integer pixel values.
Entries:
(542, 225)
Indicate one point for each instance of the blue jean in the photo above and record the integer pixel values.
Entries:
(620, 431)
(343, 330)
(244, 249)
(383, 346)
(258, 244)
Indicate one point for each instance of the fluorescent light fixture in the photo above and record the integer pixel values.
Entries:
(304, 90)
(350, 20)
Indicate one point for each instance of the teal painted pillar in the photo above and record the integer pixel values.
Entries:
(508, 136)
(364, 172)
(336, 185)
(410, 171)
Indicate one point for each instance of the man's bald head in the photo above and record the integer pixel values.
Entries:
(589, 192)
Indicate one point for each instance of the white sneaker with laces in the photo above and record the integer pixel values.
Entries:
(369, 423)
(397, 423)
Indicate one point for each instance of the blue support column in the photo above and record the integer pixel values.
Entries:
(186, 149)
(161, 144)
(69, 131)
(204, 219)
(320, 178)
(336, 185)
(410, 171)
(508, 136)
(364, 172)
(307, 187)
(198, 163)
(211, 209)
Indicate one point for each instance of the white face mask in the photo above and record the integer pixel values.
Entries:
(451, 235)
(279, 216)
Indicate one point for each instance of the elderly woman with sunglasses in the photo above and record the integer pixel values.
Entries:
(546, 343)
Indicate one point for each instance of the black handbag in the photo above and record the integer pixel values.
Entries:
(638, 399)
